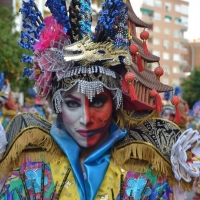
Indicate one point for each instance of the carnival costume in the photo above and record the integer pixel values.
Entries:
(142, 158)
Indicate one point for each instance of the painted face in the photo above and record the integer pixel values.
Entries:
(167, 114)
(87, 122)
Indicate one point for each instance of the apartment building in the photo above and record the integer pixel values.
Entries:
(193, 57)
(168, 20)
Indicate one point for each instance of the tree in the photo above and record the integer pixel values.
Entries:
(191, 87)
(10, 52)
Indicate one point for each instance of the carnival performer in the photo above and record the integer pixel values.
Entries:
(105, 142)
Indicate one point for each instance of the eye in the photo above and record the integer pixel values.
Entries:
(72, 104)
(99, 100)
(97, 103)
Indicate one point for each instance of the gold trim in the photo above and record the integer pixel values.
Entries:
(148, 144)
(18, 135)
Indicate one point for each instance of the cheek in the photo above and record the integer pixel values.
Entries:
(104, 113)
(69, 117)
(66, 118)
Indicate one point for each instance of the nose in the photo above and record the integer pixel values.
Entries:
(85, 120)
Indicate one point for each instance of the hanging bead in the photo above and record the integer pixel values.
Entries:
(134, 50)
(158, 71)
(128, 85)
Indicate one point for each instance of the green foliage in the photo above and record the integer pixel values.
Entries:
(191, 87)
(10, 52)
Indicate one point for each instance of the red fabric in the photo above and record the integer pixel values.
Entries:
(146, 51)
(132, 92)
(135, 105)
(158, 103)
(129, 89)
(177, 118)
(139, 63)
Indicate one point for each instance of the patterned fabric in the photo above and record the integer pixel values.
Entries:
(161, 133)
(23, 121)
(137, 186)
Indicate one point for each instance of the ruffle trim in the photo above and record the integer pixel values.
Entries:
(137, 156)
(32, 144)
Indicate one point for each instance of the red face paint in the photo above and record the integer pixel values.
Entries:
(87, 121)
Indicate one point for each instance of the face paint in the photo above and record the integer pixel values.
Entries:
(87, 122)
(167, 114)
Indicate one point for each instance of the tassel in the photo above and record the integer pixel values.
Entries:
(177, 118)
(139, 63)
(135, 51)
(158, 101)
(132, 92)
(129, 77)
(146, 51)
(175, 101)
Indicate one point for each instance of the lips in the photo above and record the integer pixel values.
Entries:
(89, 133)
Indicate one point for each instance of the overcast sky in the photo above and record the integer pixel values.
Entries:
(193, 20)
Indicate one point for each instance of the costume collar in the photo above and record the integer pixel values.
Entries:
(97, 162)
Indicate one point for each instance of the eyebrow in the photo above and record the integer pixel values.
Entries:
(101, 96)
(73, 97)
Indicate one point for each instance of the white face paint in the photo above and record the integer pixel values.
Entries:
(86, 121)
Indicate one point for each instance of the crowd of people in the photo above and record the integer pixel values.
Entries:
(10, 106)
(111, 136)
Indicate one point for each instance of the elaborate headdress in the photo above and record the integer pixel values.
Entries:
(67, 54)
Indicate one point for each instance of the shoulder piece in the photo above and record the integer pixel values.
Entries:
(150, 144)
(28, 140)
(24, 121)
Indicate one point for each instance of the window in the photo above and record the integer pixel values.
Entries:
(146, 11)
(156, 53)
(176, 45)
(177, 20)
(168, 18)
(165, 81)
(176, 57)
(168, 6)
(154, 65)
(148, 2)
(166, 44)
(176, 33)
(184, 9)
(178, 8)
(156, 41)
(176, 69)
(157, 16)
(166, 69)
(156, 29)
(166, 31)
(175, 82)
(184, 21)
(166, 56)
(158, 3)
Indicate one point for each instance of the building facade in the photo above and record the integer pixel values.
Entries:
(168, 20)
(193, 57)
